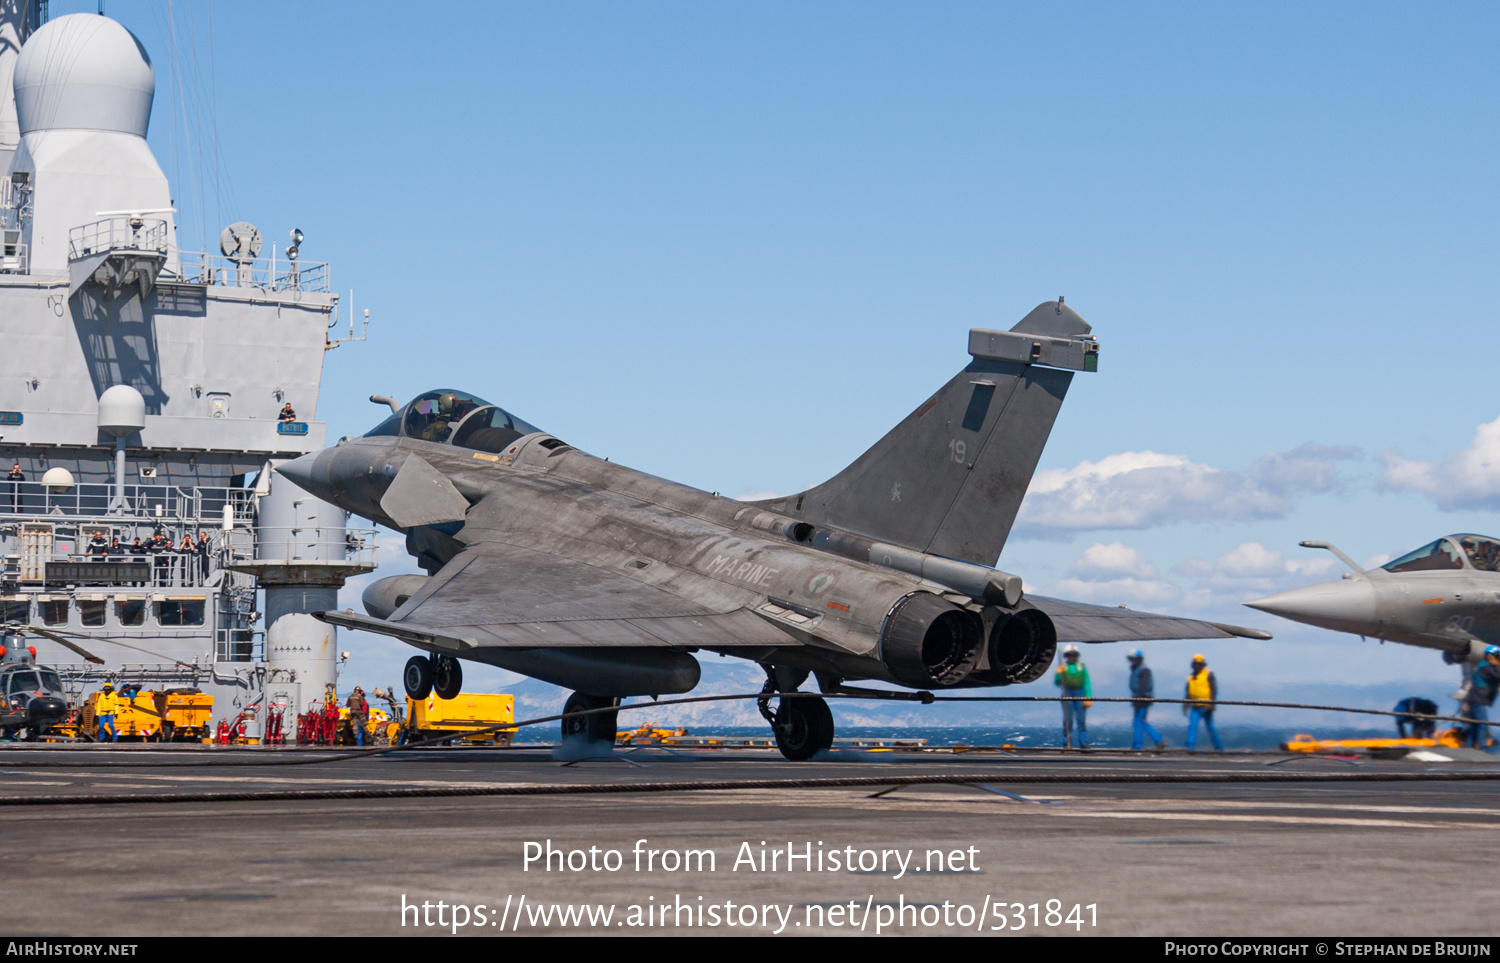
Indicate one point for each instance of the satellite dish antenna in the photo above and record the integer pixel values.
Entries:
(291, 251)
(240, 242)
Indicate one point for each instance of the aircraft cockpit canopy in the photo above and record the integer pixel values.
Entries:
(1449, 553)
(457, 418)
(1483, 552)
(23, 684)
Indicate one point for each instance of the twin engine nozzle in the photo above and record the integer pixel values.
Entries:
(929, 642)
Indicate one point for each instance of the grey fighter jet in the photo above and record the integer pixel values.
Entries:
(1445, 596)
(547, 561)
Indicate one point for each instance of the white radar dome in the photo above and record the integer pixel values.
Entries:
(84, 71)
(122, 411)
(58, 479)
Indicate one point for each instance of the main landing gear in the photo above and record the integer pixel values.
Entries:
(438, 673)
(598, 727)
(803, 725)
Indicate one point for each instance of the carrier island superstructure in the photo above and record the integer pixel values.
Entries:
(144, 391)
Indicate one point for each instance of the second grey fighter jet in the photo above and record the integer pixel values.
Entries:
(547, 561)
(1445, 596)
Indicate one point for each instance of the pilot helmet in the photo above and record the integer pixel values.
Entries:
(447, 401)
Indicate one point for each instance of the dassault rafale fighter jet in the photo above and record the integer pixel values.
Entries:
(547, 561)
(1445, 595)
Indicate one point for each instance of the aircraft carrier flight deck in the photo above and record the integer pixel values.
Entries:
(228, 841)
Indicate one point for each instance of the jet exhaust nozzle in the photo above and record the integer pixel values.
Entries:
(1021, 648)
(928, 641)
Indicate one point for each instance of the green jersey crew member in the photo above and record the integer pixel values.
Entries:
(1072, 678)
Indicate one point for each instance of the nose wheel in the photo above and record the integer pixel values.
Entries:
(439, 673)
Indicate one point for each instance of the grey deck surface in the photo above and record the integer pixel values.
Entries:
(1405, 859)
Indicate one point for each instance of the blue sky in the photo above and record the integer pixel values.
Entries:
(732, 244)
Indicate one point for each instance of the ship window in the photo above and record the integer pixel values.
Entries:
(92, 612)
(1484, 553)
(1435, 556)
(431, 416)
(55, 612)
(180, 612)
(15, 611)
(131, 611)
(490, 429)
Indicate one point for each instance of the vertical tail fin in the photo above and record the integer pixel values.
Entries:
(950, 477)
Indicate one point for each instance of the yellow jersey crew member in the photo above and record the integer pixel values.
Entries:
(104, 713)
(1073, 679)
(1202, 692)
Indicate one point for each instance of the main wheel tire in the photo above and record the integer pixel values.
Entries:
(804, 727)
(417, 677)
(447, 677)
(599, 727)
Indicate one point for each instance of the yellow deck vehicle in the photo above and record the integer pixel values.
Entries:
(459, 717)
(174, 715)
(647, 735)
(1302, 742)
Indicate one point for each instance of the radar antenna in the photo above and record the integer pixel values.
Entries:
(241, 243)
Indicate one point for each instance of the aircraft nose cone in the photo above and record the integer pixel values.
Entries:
(1347, 605)
(303, 472)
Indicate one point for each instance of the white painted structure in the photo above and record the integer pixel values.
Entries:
(155, 380)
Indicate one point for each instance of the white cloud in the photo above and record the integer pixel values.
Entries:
(1101, 562)
(1139, 489)
(1308, 468)
(1465, 479)
(1145, 489)
(1117, 591)
(1253, 568)
(1114, 574)
(756, 495)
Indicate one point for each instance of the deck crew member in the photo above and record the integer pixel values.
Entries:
(1484, 682)
(359, 714)
(1411, 708)
(1072, 678)
(105, 707)
(1142, 688)
(1202, 693)
(15, 478)
(287, 414)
